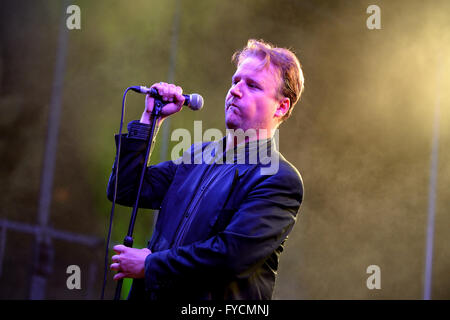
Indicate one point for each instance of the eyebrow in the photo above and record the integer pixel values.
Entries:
(233, 78)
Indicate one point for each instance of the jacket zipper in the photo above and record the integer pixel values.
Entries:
(190, 213)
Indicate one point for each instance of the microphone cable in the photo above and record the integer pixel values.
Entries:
(111, 217)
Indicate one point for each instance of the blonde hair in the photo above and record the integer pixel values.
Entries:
(292, 80)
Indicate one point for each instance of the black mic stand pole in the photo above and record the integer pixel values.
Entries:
(128, 240)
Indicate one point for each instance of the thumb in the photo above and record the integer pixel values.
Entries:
(149, 102)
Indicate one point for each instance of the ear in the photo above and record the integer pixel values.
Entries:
(282, 108)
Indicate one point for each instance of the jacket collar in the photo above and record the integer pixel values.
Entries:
(252, 152)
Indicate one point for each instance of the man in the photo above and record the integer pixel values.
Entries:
(221, 227)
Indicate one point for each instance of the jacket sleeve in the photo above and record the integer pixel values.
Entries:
(258, 227)
(157, 179)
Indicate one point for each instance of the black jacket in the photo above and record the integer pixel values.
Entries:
(221, 227)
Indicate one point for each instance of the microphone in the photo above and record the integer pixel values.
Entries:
(193, 101)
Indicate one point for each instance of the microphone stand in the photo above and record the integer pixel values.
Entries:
(128, 240)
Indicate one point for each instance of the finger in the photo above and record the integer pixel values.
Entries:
(179, 96)
(167, 96)
(162, 89)
(159, 87)
(149, 102)
(119, 248)
(179, 93)
(172, 92)
(119, 276)
(115, 266)
(115, 258)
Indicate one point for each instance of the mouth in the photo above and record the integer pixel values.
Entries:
(232, 106)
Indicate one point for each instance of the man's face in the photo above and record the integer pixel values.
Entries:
(252, 101)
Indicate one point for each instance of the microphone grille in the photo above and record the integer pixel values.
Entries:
(196, 101)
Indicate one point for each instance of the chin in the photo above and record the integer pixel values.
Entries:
(231, 123)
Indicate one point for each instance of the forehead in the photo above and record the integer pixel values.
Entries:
(255, 67)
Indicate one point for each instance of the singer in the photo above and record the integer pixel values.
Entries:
(221, 226)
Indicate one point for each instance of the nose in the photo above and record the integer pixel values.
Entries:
(235, 90)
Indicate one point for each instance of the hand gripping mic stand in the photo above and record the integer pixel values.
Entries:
(128, 240)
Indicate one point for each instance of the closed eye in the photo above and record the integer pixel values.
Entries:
(252, 85)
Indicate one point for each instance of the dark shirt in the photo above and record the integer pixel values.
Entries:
(222, 222)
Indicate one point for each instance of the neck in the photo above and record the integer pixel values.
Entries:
(233, 141)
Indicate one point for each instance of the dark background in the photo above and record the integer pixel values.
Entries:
(361, 135)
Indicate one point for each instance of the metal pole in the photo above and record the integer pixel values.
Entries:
(170, 79)
(432, 187)
(42, 263)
